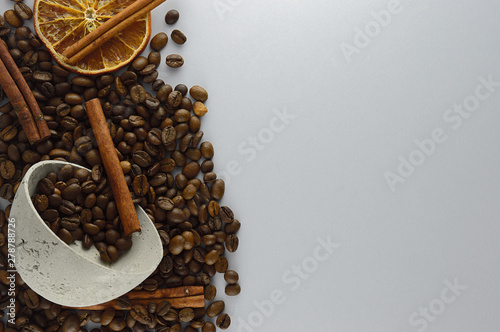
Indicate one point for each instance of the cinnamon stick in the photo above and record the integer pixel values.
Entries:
(41, 124)
(126, 208)
(197, 301)
(17, 101)
(106, 31)
(127, 12)
(177, 292)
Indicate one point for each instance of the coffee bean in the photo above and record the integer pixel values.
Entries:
(45, 186)
(221, 265)
(67, 207)
(199, 108)
(9, 133)
(23, 11)
(207, 150)
(233, 227)
(31, 298)
(136, 120)
(41, 202)
(226, 214)
(177, 245)
(213, 208)
(141, 185)
(47, 88)
(162, 308)
(138, 94)
(71, 324)
(71, 98)
(232, 242)
(7, 169)
(65, 173)
(186, 315)
(93, 157)
(178, 37)
(191, 169)
(142, 158)
(117, 324)
(83, 145)
(233, 289)
(218, 189)
(123, 244)
(71, 192)
(91, 229)
(150, 284)
(223, 321)
(174, 61)
(168, 135)
(2, 21)
(42, 76)
(212, 257)
(152, 104)
(4, 31)
(210, 292)
(165, 203)
(215, 308)
(123, 303)
(113, 255)
(139, 63)
(159, 41)
(128, 78)
(107, 316)
(198, 93)
(172, 16)
(70, 223)
(176, 216)
(163, 93)
(208, 327)
(140, 314)
(13, 18)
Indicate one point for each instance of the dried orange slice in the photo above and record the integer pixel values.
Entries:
(60, 23)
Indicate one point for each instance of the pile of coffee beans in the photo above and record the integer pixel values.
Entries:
(78, 205)
(156, 128)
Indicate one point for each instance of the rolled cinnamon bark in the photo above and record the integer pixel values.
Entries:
(121, 193)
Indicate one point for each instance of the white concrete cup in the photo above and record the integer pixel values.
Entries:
(71, 275)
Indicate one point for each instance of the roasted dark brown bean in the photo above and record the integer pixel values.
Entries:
(178, 37)
(172, 16)
(174, 60)
(159, 41)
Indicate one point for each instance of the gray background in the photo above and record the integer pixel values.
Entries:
(322, 175)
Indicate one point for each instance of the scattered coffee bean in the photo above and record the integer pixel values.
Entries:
(215, 308)
(178, 37)
(198, 93)
(13, 19)
(159, 41)
(174, 61)
(233, 289)
(23, 11)
(210, 292)
(172, 16)
(223, 321)
(231, 277)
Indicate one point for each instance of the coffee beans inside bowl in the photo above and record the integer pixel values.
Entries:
(78, 205)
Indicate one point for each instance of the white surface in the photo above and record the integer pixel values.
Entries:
(323, 175)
